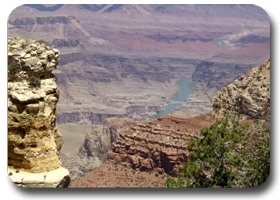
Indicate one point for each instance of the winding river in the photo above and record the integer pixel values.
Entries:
(185, 91)
(225, 42)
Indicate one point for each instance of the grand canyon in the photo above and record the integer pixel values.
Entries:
(119, 65)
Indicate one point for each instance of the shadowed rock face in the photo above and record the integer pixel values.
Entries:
(41, 20)
(96, 146)
(220, 74)
(252, 39)
(76, 117)
(59, 43)
(33, 140)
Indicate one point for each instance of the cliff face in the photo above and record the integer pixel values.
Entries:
(76, 117)
(96, 146)
(41, 20)
(67, 42)
(159, 144)
(69, 58)
(248, 94)
(33, 140)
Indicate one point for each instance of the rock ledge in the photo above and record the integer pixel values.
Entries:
(58, 178)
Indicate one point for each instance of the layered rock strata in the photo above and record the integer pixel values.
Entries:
(33, 140)
(159, 144)
(248, 94)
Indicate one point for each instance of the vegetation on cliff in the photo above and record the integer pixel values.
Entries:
(42, 41)
(235, 150)
(13, 67)
(230, 154)
(34, 82)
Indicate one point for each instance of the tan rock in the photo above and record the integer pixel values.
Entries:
(33, 139)
(27, 55)
(248, 94)
(28, 96)
(47, 179)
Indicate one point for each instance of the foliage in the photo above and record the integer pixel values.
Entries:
(229, 154)
(42, 41)
(34, 82)
(24, 44)
(13, 67)
(11, 48)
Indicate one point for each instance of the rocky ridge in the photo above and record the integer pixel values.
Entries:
(248, 94)
(33, 140)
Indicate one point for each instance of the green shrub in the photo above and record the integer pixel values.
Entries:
(11, 48)
(13, 67)
(250, 90)
(42, 41)
(34, 82)
(24, 44)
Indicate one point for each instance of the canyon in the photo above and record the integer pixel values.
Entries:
(122, 61)
(112, 47)
(151, 151)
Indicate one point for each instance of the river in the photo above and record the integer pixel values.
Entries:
(185, 91)
(225, 42)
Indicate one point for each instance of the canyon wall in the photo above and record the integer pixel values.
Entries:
(70, 58)
(159, 144)
(76, 117)
(41, 20)
(33, 140)
(162, 144)
(96, 146)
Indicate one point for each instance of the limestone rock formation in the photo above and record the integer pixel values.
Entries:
(248, 94)
(33, 140)
(97, 144)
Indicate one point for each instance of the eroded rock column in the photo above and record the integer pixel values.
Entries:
(33, 140)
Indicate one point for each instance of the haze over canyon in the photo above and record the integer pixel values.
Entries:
(124, 60)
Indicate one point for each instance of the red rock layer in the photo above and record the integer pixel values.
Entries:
(160, 144)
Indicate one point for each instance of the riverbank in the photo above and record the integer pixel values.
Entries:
(181, 95)
(191, 86)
